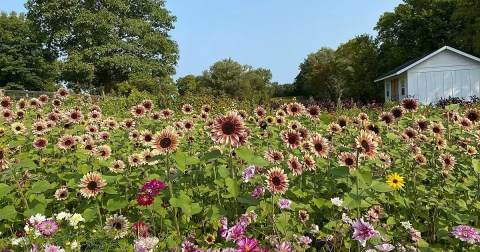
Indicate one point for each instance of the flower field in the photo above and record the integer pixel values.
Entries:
(79, 175)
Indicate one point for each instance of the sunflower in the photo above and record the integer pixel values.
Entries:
(210, 239)
(146, 137)
(421, 124)
(156, 116)
(242, 114)
(320, 145)
(303, 216)
(40, 143)
(420, 159)
(117, 226)
(395, 181)
(227, 129)
(448, 161)
(146, 155)
(117, 166)
(294, 124)
(188, 125)
(473, 115)
(280, 113)
(61, 193)
(74, 116)
(18, 128)
(187, 109)
(437, 129)
(103, 152)
(20, 114)
(279, 120)
(7, 114)
(410, 104)
(103, 136)
(295, 109)
(92, 184)
(387, 117)
(6, 102)
(308, 162)
(306, 146)
(294, 165)
(334, 128)
(62, 93)
(43, 99)
(363, 116)
(386, 160)
(21, 104)
(313, 112)
(273, 156)
(291, 137)
(204, 116)
(277, 181)
(66, 142)
(366, 144)
(270, 119)
(342, 121)
(166, 141)
(260, 112)
(147, 104)
(134, 160)
(33, 103)
(410, 133)
(397, 112)
(166, 113)
(347, 159)
(465, 122)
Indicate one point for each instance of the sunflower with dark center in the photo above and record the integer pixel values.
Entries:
(473, 115)
(40, 143)
(210, 239)
(187, 109)
(303, 215)
(397, 112)
(62, 93)
(147, 104)
(137, 111)
(410, 104)
(117, 226)
(437, 129)
(313, 112)
(366, 144)
(227, 129)
(61, 193)
(295, 109)
(321, 146)
(92, 184)
(66, 142)
(373, 128)
(421, 124)
(6, 102)
(291, 137)
(347, 159)
(411, 133)
(448, 161)
(295, 166)
(273, 156)
(277, 181)
(166, 141)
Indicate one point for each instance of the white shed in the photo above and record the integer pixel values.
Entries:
(443, 73)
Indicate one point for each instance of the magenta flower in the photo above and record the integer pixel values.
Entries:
(465, 233)
(284, 247)
(53, 248)
(236, 232)
(284, 204)
(363, 231)
(223, 227)
(386, 247)
(247, 245)
(47, 227)
(188, 247)
(257, 192)
(153, 186)
(248, 173)
(305, 240)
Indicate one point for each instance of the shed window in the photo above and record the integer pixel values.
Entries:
(388, 89)
(403, 87)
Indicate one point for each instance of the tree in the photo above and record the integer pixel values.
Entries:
(415, 28)
(466, 31)
(360, 58)
(228, 77)
(103, 43)
(23, 62)
(321, 76)
(187, 84)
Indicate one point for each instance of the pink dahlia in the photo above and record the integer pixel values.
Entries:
(47, 227)
(465, 233)
(247, 245)
(363, 231)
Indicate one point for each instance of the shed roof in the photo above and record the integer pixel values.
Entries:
(409, 64)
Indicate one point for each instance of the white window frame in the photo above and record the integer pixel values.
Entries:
(389, 91)
(403, 89)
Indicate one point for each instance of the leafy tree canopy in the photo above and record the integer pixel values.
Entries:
(101, 44)
(23, 62)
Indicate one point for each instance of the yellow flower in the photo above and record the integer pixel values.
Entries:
(395, 181)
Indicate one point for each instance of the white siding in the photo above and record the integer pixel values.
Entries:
(443, 75)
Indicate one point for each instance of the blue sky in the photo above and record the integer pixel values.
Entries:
(273, 34)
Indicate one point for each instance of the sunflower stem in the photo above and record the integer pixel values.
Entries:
(356, 184)
(170, 187)
(100, 219)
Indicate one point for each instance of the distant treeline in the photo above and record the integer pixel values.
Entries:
(124, 46)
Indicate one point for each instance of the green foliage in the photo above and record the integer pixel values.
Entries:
(105, 43)
(24, 64)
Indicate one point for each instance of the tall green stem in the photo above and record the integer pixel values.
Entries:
(170, 187)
